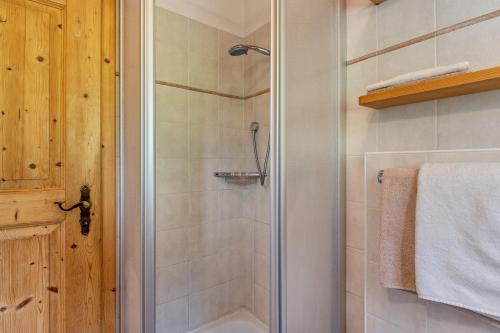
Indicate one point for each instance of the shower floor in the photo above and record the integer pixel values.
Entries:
(240, 321)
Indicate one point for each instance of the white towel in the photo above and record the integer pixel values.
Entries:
(458, 236)
(420, 75)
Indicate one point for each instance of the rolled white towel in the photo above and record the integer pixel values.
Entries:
(420, 75)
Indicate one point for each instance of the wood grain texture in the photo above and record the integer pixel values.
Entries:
(437, 88)
(37, 125)
(30, 208)
(12, 36)
(55, 70)
(108, 137)
(35, 114)
(83, 262)
(29, 292)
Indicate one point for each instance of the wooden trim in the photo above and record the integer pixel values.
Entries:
(427, 36)
(211, 92)
(437, 88)
(258, 93)
(108, 171)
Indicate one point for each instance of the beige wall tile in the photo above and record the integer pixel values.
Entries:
(202, 174)
(469, 121)
(373, 235)
(204, 240)
(171, 44)
(205, 273)
(262, 272)
(489, 156)
(171, 104)
(355, 224)
(397, 307)
(172, 317)
(401, 20)
(478, 44)
(171, 140)
(408, 127)
(236, 294)
(203, 71)
(204, 206)
(262, 304)
(204, 109)
(171, 247)
(262, 239)
(203, 39)
(449, 12)
(231, 204)
(204, 306)
(355, 314)
(377, 325)
(361, 28)
(359, 76)
(445, 319)
(409, 59)
(204, 141)
(355, 283)
(172, 282)
(172, 175)
(355, 179)
(362, 131)
(172, 211)
(233, 113)
(232, 143)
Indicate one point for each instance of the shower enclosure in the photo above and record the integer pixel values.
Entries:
(212, 194)
(235, 161)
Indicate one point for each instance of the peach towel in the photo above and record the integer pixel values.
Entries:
(397, 229)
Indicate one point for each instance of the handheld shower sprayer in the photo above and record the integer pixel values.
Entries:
(254, 128)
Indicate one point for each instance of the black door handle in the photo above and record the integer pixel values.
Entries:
(85, 205)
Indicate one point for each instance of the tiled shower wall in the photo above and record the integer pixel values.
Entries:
(212, 237)
(468, 122)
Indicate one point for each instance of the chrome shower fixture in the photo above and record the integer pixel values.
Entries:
(242, 49)
(254, 128)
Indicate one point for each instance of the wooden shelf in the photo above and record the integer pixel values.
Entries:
(437, 88)
(377, 2)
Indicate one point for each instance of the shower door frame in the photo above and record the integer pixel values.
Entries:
(137, 310)
(148, 179)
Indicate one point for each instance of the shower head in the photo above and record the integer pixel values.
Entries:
(242, 49)
(254, 127)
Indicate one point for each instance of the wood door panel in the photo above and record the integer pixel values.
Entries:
(30, 260)
(28, 208)
(55, 59)
(30, 95)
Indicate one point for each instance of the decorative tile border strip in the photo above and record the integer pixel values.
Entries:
(211, 92)
(428, 36)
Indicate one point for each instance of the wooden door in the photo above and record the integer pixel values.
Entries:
(56, 134)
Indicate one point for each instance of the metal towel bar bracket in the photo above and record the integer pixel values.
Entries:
(380, 176)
